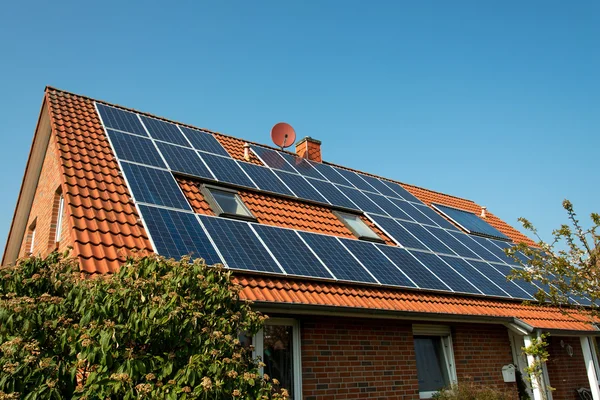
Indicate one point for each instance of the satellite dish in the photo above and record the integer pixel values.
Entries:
(283, 135)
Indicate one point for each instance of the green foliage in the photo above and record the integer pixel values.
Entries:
(469, 390)
(538, 349)
(156, 329)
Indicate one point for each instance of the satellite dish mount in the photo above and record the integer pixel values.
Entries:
(283, 135)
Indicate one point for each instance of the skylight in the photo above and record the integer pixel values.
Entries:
(470, 222)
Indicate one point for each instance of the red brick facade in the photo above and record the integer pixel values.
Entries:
(567, 373)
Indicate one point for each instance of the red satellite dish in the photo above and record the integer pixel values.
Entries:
(283, 135)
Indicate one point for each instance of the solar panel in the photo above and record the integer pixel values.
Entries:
(454, 244)
(495, 250)
(300, 186)
(413, 212)
(362, 201)
(204, 141)
(527, 287)
(331, 193)
(226, 170)
(400, 191)
(499, 279)
(432, 243)
(435, 217)
(291, 252)
(164, 131)
(474, 277)
(329, 173)
(176, 234)
(400, 235)
(355, 179)
(385, 204)
(239, 245)
(379, 185)
(120, 119)
(154, 186)
(505, 245)
(184, 160)
(339, 261)
(265, 178)
(302, 166)
(445, 273)
(470, 222)
(273, 159)
(377, 263)
(135, 148)
(417, 272)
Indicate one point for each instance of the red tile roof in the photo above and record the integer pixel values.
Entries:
(106, 226)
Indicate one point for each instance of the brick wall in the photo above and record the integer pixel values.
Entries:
(44, 210)
(566, 373)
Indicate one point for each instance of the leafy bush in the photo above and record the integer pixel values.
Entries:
(156, 329)
(470, 390)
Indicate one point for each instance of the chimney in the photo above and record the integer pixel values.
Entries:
(309, 148)
(483, 212)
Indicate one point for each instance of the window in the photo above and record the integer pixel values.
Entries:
(30, 239)
(226, 203)
(278, 345)
(358, 227)
(435, 360)
(59, 216)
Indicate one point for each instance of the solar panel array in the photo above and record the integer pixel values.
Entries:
(470, 222)
(431, 253)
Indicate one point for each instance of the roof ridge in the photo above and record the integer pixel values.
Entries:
(248, 141)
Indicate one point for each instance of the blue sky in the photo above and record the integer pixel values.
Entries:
(496, 101)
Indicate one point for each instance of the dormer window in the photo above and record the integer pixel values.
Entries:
(226, 203)
(358, 227)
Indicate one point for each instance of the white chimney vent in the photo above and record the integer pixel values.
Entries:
(483, 212)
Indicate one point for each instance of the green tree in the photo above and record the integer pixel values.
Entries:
(156, 329)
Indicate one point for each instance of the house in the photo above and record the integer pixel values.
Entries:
(375, 288)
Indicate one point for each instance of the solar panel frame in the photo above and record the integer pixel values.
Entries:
(300, 186)
(226, 169)
(446, 273)
(272, 159)
(454, 244)
(135, 148)
(121, 120)
(175, 234)
(424, 236)
(401, 192)
(397, 232)
(378, 185)
(470, 222)
(184, 160)
(332, 193)
(265, 179)
(239, 246)
(204, 141)
(361, 200)
(355, 180)
(330, 174)
(473, 276)
(387, 206)
(435, 217)
(500, 279)
(413, 212)
(506, 245)
(495, 250)
(154, 186)
(164, 131)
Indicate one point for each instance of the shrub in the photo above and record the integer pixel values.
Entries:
(470, 390)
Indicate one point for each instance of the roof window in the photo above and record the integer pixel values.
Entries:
(358, 227)
(226, 203)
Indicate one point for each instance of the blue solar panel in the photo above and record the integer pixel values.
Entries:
(505, 245)
(356, 180)
(176, 234)
(164, 131)
(291, 252)
(385, 204)
(378, 264)
(300, 186)
(413, 212)
(302, 166)
(204, 141)
(527, 287)
(362, 201)
(499, 279)
(184, 160)
(154, 186)
(413, 268)
(272, 159)
(445, 273)
(330, 173)
(393, 229)
(239, 245)
(135, 148)
(339, 261)
(473, 276)
(455, 245)
(435, 217)
(265, 179)
(425, 237)
(470, 222)
(495, 250)
(226, 170)
(332, 193)
(120, 119)
(379, 185)
(400, 191)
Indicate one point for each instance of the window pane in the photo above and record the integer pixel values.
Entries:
(278, 355)
(356, 224)
(431, 363)
(229, 203)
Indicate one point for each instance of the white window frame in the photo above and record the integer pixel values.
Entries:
(61, 206)
(207, 192)
(442, 331)
(32, 243)
(297, 358)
